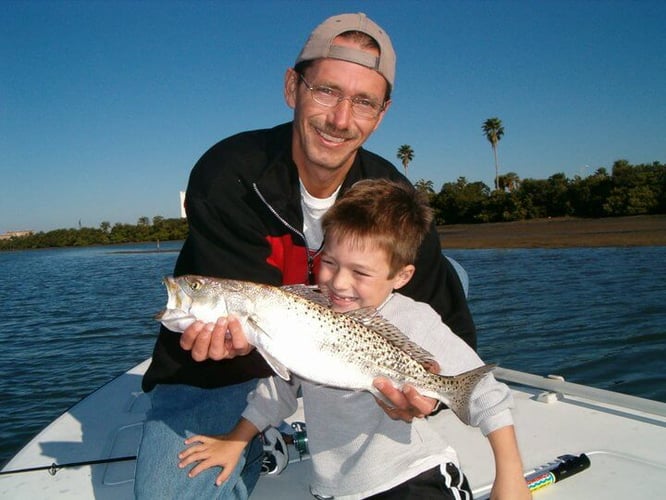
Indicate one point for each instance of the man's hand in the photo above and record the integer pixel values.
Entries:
(221, 340)
(405, 404)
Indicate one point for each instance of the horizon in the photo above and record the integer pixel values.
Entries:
(107, 105)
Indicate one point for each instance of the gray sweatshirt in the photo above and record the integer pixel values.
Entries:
(356, 449)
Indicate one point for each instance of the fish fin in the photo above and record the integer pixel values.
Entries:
(276, 366)
(311, 293)
(364, 315)
(461, 387)
(370, 318)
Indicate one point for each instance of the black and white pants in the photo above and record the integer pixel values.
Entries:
(446, 482)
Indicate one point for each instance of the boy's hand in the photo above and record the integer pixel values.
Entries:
(408, 402)
(221, 340)
(218, 451)
(405, 404)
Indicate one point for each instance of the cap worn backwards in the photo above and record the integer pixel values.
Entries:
(320, 44)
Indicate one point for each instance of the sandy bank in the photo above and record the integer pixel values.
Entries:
(640, 230)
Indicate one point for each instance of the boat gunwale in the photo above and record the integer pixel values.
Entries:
(586, 392)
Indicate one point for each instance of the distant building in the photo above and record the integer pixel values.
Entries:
(15, 234)
(183, 215)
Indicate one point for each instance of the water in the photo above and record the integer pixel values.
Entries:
(72, 319)
(75, 318)
(595, 316)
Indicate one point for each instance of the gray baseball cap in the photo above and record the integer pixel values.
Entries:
(320, 44)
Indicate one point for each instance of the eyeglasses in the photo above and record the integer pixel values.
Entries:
(362, 107)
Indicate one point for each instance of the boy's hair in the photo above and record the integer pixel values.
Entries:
(392, 216)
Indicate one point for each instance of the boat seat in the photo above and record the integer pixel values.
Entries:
(462, 274)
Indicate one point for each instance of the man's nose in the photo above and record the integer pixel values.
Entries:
(341, 113)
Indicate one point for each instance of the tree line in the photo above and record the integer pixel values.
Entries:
(626, 190)
(160, 229)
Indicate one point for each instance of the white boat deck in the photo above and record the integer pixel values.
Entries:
(624, 437)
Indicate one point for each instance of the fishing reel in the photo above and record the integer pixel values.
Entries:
(276, 452)
(300, 438)
(276, 456)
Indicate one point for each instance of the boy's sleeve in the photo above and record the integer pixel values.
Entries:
(490, 405)
(491, 401)
(271, 402)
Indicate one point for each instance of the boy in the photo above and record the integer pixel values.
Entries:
(371, 237)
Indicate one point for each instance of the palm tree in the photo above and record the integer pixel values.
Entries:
(509, 181)
(494, 131)
(425, 187)
(405, 154)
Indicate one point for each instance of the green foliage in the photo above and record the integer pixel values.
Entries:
(427, 188)
(161, 230)
(628, 190)
(494, 130)
(508, 182)
(460, 202)
(406, 155)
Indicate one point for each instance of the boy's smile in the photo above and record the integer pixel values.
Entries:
(355, 273)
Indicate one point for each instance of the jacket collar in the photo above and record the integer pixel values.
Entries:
(280, 176)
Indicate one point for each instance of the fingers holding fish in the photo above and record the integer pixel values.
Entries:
(196, 338)
(405, 404)
(223, 339)
(420, 406)
(395, 413)
(239, 346)
(390, 411)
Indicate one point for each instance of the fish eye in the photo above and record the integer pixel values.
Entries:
(195, 285)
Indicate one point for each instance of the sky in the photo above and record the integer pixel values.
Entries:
(105, 106)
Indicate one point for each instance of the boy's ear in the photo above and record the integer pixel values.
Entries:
(403, 276)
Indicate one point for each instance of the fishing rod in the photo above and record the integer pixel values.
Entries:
(564, 467)
(54, 467)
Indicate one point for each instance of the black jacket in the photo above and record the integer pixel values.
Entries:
(245, 221)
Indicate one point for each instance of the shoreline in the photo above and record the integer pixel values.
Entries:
(561, 232)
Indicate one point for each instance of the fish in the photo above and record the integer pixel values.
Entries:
(295, 331)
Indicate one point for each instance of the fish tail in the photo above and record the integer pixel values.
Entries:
(456, 391)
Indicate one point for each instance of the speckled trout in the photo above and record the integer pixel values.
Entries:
(293, 328)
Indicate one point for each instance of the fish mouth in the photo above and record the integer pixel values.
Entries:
(175, 320)
(176, 316)
(172, 314)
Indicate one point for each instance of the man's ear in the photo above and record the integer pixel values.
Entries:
(387, 104)
(403, 276)
(290, 85)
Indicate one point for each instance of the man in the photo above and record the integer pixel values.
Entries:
(253, 203)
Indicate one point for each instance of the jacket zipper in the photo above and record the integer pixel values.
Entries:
(310, 258)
